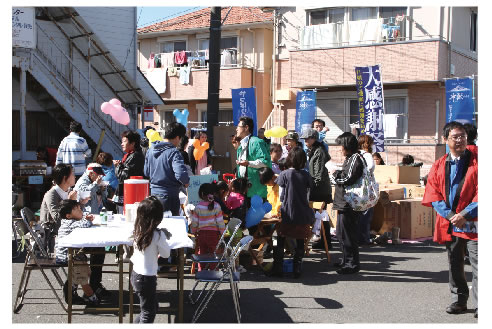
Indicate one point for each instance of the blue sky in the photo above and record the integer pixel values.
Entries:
(151, 15)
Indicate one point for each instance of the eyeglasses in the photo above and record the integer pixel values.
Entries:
(456, 138)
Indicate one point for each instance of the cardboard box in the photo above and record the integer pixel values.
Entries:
(390, 193)
(415, 220)
(410, 190)
(397, 174)
(385, 217)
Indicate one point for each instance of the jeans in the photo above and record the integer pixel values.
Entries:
(169, 202)
(457, 279)
(145, 286)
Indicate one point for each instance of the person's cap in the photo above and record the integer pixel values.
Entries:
(310, 133)
(292, 135)
(97, 170)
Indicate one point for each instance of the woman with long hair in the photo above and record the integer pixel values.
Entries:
(365, 148)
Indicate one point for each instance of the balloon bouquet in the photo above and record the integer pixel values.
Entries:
(116, 111)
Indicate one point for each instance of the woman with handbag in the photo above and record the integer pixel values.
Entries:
(347, 218)
(321, 191)
(365, 149)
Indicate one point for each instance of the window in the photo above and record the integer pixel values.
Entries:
(397, 106)
(229, 42)
(359, 14)
(167, 117)
(392, 12)
(473, 32)
(203, 44)
(318, 17)
(172, 46)
(336, 15)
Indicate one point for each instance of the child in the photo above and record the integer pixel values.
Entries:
(72, 217)
(296, 213)
(268, 178)
(275, 155)
(148, 242)
(207, 223)
(221, 192)
(236, 203)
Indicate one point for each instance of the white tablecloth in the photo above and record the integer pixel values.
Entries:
(119, 232)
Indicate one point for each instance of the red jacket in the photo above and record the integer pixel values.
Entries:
(435, 191)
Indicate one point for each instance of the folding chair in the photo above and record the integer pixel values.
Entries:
(36, 259)
(216, 257)
(226, 273)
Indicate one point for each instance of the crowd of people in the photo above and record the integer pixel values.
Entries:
(290, 177)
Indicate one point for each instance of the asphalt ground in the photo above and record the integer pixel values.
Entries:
(405, 283)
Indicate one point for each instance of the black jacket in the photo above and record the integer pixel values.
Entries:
(191, 157)
(351, 171)
(321, 190)
(133, 166)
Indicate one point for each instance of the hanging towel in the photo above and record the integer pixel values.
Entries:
(225, 58)
(167, 59)
(151, 61)
(172, 71)
(184, 75)
(390, 125)
(157, 79)
(180, 57)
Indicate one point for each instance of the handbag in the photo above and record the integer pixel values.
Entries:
(364, 193)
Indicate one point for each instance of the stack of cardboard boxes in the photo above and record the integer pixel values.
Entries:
(400, 203)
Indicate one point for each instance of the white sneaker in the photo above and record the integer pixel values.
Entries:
(241, 269)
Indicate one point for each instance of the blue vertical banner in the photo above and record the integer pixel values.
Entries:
(460, 104)
(244, 105)
(371, 103)
(305, 109)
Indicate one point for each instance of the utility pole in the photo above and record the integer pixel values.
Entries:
(213, 73)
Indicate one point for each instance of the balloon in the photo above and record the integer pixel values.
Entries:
(199, 149)
(153, 136)
(257, 211)
(181, 117)
(276, 131)
(117, 112)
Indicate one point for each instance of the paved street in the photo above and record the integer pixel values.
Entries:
(398, 284)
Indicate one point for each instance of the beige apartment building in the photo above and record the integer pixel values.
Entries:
(246, 61)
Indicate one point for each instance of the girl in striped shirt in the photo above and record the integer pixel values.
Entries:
(207, 223)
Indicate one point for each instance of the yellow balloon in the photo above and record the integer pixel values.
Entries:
(199, 149)
(276, 131)
(153, 136)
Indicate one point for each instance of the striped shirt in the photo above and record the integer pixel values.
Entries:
(73, 150)
(66, 227)
(204, 219)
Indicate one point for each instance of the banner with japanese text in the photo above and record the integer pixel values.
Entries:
(305, 110)
(460, 104)
(244, 105)
(371, 104)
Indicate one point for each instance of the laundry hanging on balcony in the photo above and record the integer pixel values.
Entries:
(151, 61)
(157, 78)
(173, 71)
(390, 125)
(180, 57)
(184, 75)
(390, 32)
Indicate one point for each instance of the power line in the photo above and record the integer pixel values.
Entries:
(133, 38)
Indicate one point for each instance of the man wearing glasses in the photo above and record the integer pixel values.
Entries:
(452, 189)
(252, 154)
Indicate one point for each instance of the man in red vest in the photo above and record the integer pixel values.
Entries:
(452, 189)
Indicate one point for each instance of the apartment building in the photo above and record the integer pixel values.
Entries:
(246, 61)
(417, 48)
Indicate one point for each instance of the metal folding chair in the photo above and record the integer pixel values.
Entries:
(216, 257)
(226, 273)
(36, 259)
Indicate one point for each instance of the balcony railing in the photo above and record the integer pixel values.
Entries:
(198, 59)
(354, 33)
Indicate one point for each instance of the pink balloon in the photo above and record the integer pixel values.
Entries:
(117, 112)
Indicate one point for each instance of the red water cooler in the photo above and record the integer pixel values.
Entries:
(135, 189)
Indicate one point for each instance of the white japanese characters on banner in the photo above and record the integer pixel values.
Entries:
(23, 27)
(371, 103)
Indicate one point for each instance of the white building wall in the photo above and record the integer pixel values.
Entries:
(116, 28)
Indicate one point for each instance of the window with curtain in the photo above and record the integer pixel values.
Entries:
(388, 12)
(317, 17)
(172, 46)
(359, 14)
(396, 107)
(336, 15)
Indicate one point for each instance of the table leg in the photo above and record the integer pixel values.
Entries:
(130, 291)
(120, 296)
(181, 284)
(69, 290)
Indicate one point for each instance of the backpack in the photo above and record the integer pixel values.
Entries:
(364, 193)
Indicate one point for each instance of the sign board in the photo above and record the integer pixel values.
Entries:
(460, 103)
(23, 27)
(305, 110)
(35, 180)
(195, 182)
(244, 105)
(148, 114)
(371, 103)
